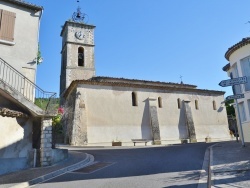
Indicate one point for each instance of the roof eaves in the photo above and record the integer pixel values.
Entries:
(93, 82)
(226, 67)
(103, 78)
(26, 4)
(235, 47)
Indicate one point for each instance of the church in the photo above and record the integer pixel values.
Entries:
(101, 110)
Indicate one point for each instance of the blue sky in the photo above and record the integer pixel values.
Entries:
(156, 40)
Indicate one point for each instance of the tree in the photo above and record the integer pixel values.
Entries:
(230, 107)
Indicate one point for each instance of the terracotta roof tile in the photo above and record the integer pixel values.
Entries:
(5, 112)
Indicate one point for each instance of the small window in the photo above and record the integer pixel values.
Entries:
(134, 99)
(196, 105)
(179, 103)
(7, 24)
(81, 57)
(214, 105)
(159, 102)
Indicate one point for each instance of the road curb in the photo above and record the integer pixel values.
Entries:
(210, 167)
(89, 159)
(206, 175)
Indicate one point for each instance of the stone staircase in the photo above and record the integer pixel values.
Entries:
(25, 91)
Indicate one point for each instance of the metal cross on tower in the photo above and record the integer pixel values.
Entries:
(181, 79)
(78, 16)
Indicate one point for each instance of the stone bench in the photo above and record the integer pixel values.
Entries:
(140, 141)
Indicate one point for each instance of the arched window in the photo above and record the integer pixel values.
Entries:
(196, 105)
(159, 102)
(214, 105)
(179, 103)
(81, 57)
(134, 99)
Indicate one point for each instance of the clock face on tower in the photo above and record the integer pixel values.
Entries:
(79, 35)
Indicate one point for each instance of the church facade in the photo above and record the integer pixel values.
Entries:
(101, 110)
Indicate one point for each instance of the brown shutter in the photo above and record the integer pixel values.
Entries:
(7, 25)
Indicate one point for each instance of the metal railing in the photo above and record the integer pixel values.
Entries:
(17, 81)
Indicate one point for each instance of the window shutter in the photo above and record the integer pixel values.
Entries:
(7, 23)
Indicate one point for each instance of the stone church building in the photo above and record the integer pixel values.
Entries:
(101, 110)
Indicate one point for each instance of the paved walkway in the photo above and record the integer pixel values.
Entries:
(32, 176)
(230, 165)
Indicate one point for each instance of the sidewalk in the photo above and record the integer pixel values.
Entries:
(32, 176)
(230, 165)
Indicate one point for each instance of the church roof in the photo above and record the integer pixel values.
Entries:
(123, 82)
(25, 4)
(137, 81)
(243, 42)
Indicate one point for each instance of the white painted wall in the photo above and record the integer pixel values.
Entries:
(111, 116)
(235, 58)
(21, 55)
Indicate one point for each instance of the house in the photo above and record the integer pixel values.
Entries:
(26, 129)
(238, 56)
(100, 110)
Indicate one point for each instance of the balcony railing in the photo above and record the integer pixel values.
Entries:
(17, 81)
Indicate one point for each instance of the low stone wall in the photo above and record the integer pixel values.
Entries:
(59, 155)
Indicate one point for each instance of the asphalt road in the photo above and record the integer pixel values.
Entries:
(150, 167)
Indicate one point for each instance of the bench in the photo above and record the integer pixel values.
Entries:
(140, 141)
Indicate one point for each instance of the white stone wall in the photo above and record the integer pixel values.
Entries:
(110, 115)
(18, 141)
(15, 144)
(21, 55)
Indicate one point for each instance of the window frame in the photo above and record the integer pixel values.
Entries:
(7, 27)
(179, 103)
(196, 104)
(80, 62)
(159, 102)
(134, 99)
(214, 105)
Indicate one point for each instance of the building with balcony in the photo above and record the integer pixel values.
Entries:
(239, 65)
(25, 128)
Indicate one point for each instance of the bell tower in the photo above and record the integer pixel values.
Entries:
(77, 55)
